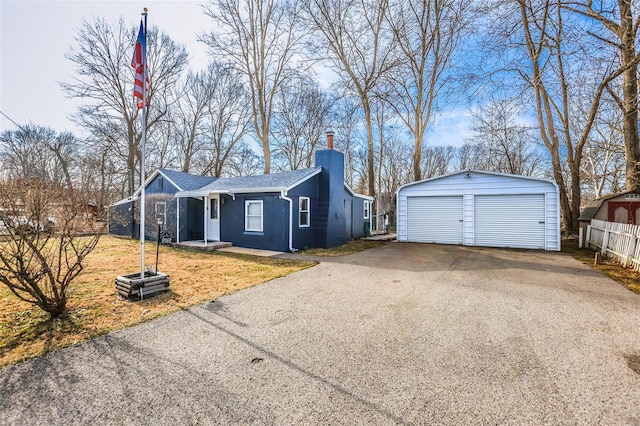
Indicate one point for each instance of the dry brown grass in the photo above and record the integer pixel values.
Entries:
(95, 309)
(614, 270)
(351, 247)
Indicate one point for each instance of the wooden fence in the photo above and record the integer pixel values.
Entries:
(620, 241)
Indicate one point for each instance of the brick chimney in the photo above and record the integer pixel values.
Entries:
(329, 139)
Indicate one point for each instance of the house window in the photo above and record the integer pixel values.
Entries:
(161, 212)
(213, 211)
(367, 209)
(253, 215)
(160, 183)
(303, 205)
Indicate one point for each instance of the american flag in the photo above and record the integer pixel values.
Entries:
(139, 63)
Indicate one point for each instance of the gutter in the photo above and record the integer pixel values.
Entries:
(283, 196)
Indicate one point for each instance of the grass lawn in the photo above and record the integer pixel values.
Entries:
(349, 248)
(614, 270)
(95, 309)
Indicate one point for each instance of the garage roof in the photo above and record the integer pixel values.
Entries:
(476, 171)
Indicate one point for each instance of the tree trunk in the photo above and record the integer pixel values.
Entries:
(576, 195)
(267, 152)
(630, 97)
(565, 205)
(370, 158)
(417, 155)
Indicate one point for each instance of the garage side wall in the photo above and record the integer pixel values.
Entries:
(469, 185)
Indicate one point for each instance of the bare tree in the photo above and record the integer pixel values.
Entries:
(604, 154)
(303, 112)
(395, 171)
(22, 152)
(501, 143)
(360, 48)
(190, 117)
(549, 68)
(437, 161)
(41, 223)
(227, 118)
(242, 161)
(617, 17)
(40, 152)
(427, 33)
(259, 38)
(347, 117)
(104, 78)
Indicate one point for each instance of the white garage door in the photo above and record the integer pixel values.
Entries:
(510, 221)
(434, 220)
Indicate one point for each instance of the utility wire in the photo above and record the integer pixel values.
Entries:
(9, 118)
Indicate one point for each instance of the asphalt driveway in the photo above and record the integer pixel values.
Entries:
(401, 334)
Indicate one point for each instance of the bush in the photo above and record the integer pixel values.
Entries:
(46, 231)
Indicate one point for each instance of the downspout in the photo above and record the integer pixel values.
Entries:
(283, 196)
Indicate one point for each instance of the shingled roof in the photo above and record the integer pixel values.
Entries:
(262, 183)
(591, 209)
(187, 181)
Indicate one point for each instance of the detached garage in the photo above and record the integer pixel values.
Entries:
(480, 209)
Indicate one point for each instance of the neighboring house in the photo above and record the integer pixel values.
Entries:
(286, 211)
(160, 188)
(477, 208)
(623, 207)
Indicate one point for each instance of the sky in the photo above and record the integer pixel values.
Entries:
(35, 35)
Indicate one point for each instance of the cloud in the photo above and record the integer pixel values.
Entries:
(450, 128)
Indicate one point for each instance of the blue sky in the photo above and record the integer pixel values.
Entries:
(34, 36)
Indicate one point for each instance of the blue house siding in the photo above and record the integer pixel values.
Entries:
(275, 223)
(121, 219)
(304, 237)
(160, 190)
(358, 220)
(331, 218)
(125, 217)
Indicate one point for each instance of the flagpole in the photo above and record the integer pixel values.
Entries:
(142, 148)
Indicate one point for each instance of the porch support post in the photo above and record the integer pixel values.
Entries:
(206, 205)
(177, 220)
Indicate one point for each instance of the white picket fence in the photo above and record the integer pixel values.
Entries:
(620, 241)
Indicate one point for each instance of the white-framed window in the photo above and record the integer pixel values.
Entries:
(160, 183)
(161, 212)
(367, 209)
(253, 215)
(213, 208)
(304, 219)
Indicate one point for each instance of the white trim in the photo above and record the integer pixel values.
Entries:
(480, 172)
(177, 221)
(152, 177)
(123, 201)
(205, 191)
(205, 210)
(307, 211)
(293, 185)
(366, 210)
(246, 216)
(355, 194)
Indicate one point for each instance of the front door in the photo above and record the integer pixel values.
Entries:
(213, 226)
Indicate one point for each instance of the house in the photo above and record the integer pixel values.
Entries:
(477, 208)
(161, 204)
(286, 211)
(623, 207)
